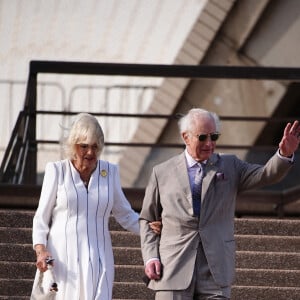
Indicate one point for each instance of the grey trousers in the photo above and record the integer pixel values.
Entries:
(202, 287)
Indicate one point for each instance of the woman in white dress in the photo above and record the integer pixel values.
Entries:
(71, 222)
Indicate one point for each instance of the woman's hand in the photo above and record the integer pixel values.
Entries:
(156, 227)
(42, 255)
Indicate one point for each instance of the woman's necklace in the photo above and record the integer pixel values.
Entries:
(85, 180)
(85, 175)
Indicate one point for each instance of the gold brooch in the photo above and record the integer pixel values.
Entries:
(103, 173)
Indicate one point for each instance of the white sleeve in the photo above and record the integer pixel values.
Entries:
(122, 210)
(46, 204)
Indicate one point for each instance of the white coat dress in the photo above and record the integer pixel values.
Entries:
(72, 222)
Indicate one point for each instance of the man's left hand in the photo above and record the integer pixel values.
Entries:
(290, 140)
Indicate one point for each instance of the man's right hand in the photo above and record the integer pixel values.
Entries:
(153, 269)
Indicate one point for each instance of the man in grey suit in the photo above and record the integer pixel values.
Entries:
(194, 257)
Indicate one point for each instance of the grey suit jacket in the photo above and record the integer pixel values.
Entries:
(168, 195)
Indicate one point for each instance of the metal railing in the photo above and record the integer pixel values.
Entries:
(19, 165)
(13, 163)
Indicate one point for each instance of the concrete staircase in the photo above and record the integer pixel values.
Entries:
(268, 259)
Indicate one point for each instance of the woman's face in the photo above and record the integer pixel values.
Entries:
(86, 155)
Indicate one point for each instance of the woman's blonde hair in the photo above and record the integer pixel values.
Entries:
(84, 129)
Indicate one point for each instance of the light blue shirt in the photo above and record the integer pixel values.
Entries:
(192, 167)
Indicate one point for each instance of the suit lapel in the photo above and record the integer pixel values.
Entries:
(183, 179)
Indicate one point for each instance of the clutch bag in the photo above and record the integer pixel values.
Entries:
(45, 290)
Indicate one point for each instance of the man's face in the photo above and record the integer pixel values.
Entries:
(201, 150)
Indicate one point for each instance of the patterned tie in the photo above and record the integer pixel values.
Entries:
(196, 192)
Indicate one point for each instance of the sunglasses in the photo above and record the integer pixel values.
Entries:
(213, 136)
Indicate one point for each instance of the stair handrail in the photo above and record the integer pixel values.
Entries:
(26, 160)
(16, 152)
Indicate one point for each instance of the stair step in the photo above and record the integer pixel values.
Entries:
(8, 287)
(269, 243)
(264, 277)
(238, 292)
(130, 255)
(126, 255)
(16, 218)
(24, 253)
(125, 239)
(24, 236)
(120, 290)
(259, 277)
(138, 291)
(244, 259)
(131, 290)
(129, 273)
(17, 252)
(248, 226)
(16, 235)
(264, 293)
(14, 297)
(17, 270)
(261, 226)
(268, 260)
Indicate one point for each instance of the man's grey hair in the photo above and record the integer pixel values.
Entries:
(187, 122)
